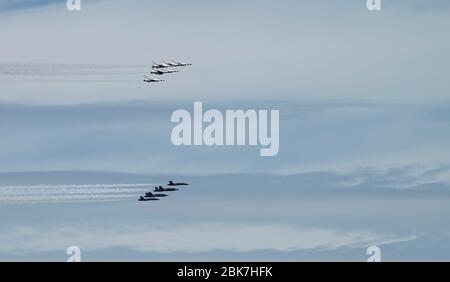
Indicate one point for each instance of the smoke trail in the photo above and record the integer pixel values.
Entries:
(71, 192)
(66, 80)
(70, 73)
(68, 69)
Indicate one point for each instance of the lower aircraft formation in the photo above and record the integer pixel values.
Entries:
(162, 69)
(156, 194)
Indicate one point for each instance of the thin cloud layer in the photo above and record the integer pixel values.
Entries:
(200, 238)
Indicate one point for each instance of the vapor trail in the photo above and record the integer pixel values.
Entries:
(71, 192)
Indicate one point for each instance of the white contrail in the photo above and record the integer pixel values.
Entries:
(70, 73)
(68, 69)
(55, 186)
(71, 192)
(66, 80)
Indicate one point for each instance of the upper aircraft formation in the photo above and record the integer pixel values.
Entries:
(162, 69)
(156, 194)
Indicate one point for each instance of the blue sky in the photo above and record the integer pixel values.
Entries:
(364, 142)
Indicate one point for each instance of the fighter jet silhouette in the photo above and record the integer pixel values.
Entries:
(162, 189)
(147, 199)
(176, 184)
(151, 195)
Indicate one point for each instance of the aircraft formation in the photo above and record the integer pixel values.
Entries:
(156, 194)
(162, 69)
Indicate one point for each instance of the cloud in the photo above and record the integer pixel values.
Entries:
(197, 238)
(317, 214)
(15, 5)
(135, 137)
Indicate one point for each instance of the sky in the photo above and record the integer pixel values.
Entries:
(305, 49)
(364, 130)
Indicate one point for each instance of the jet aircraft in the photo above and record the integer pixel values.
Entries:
(161, 72)
(179, 64)
(142, 199)
(149, 79)
(176, 184)
(162, 189)
(151, 195)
